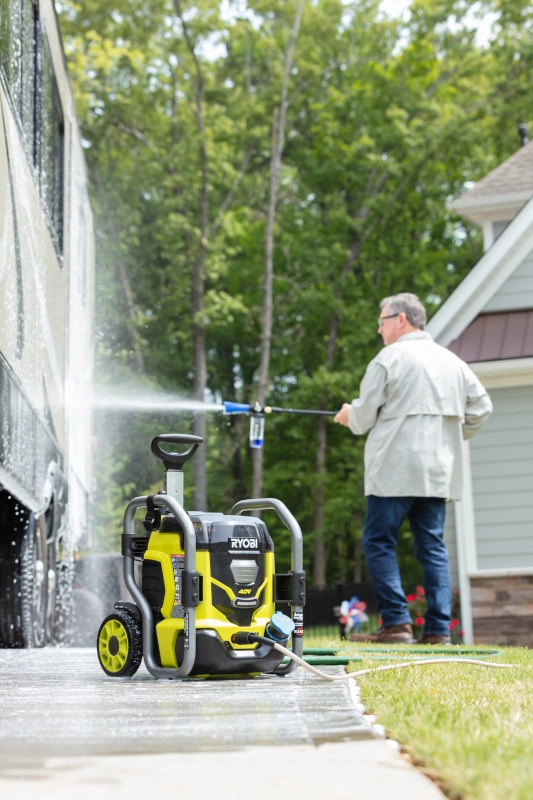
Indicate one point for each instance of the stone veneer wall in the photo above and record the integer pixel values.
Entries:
(502, 609)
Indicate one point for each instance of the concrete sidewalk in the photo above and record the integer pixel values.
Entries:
(357, 770)
(67, 731)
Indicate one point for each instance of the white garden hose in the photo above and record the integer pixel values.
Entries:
(403, 664)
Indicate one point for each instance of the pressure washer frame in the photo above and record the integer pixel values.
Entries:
(291, 585)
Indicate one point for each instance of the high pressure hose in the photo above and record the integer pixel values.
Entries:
(244, 638)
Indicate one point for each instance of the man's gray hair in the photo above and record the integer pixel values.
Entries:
(411, 307)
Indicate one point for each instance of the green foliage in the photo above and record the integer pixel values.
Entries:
(387, 121)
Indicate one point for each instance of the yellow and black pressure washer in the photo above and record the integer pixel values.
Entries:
(206, 596)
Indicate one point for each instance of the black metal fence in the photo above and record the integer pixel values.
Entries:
(320, 603)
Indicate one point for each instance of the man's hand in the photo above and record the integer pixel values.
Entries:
(342, 416)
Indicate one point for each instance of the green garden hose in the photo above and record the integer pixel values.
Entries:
(343, 656)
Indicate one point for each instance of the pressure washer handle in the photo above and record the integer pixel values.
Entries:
(175, 460)
(190, 599)
(287, 518)
(257, 408)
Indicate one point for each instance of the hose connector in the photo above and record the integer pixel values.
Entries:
(280, 628)
(244, 637)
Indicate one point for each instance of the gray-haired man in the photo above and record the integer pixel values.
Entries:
(418, 400)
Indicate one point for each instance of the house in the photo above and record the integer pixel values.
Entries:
(488, 322)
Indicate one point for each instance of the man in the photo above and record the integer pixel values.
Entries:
(418, 400)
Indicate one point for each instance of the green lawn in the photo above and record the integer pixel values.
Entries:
(469, 727)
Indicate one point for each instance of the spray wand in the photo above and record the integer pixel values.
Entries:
(257, 417)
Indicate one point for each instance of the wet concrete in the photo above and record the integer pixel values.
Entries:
(67, 730)
(68, 706)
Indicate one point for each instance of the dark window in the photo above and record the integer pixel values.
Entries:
(52, 147)
(10, 45)
(28, 76)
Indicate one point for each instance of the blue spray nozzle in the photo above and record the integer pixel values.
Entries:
(236, 408)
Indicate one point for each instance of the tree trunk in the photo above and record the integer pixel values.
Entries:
(278, 141)
(319, 561)
(358, 560)
(198, 281)
(198, 333)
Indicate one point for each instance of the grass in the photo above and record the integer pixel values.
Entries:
(468, 727)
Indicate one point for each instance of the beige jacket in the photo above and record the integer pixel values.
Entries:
(418, 400)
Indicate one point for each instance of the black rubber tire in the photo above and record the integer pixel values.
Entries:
(23, 576)
(119, 645)
(34, 585)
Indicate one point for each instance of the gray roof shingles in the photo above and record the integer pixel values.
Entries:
(514, 176)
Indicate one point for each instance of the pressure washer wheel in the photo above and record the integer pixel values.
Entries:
(119, 645)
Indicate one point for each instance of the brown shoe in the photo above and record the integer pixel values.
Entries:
(396, 634)
(433, 638)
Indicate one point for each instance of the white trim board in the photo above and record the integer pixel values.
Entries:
(504, 572)
(465, 537)
(489, 208)
(504, 373)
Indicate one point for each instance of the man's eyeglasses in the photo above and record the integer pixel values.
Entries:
(389, 316)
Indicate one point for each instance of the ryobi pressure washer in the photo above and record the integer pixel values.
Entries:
(205, 600)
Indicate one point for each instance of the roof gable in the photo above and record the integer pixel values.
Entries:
(485, 279)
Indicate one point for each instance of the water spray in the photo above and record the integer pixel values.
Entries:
(154, 402)
(257, 417)
(150, 402)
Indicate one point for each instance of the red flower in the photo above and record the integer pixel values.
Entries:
(419, 621)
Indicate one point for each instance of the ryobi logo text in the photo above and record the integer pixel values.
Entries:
(243, 544)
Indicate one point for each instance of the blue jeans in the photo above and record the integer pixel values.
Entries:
(426, 515)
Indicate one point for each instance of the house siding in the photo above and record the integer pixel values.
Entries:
(489, 323)
(516, 292)
(498, 228)
(502, 477)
